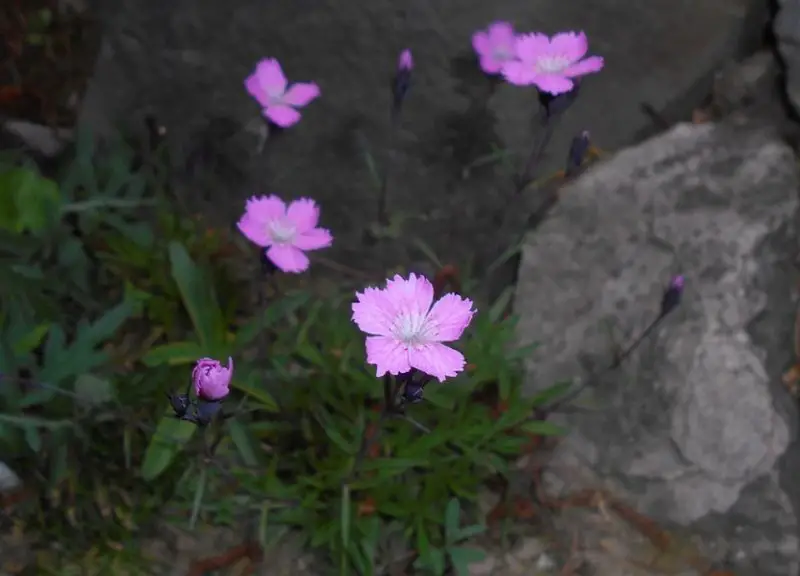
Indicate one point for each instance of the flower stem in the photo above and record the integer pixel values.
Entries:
(540, 143)
(383, 193)
(389, 395)
(542, 413)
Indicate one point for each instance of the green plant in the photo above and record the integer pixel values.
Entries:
(306, 408)
(74, 417)
(306, 443)
(434, 560)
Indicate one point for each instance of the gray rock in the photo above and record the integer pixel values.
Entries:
(787, 32)
(8, 478)
(39, 140)
(695, 429)
(186, 61)
(749, 84)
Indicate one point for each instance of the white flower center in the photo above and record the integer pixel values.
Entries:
(281, 232)
(551, 64)
(411, 329)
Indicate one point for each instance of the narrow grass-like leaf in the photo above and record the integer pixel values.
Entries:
(198, 498)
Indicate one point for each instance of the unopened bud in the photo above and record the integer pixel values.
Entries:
(577, 152)
(402, 79)
(672, 295)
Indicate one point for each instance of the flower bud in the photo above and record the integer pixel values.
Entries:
(211, 379)
(577, 152)
(402, 80)
(672, 295)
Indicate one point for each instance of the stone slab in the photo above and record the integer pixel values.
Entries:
(695, 428)
(186, 60)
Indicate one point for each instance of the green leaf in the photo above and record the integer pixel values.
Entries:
(93, 390)
(198, 498)
(25, 421)
(461, 558)
(173, 354)
(257, 393)
(439, 397)
(59, 464)
(427, 251)
(344, 518)
(542, 428)
(31, 340)
(273, 313)
(469, 531)
(430, 559)
(335, 436)
(452, 519)
(394, 466)
(33, 438)
(28, 201)
(502, 304)
(168, 440)
(198, 296)
(554, 392)
(240, 437)
(503, 258)
(90, 336)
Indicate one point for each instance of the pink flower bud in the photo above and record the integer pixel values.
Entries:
(211, 379)
(405, 62)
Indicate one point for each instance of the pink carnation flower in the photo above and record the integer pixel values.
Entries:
(211, 379)
(286, 232)
(269, 87)
(406, 329)
(551, 64)
(495, 46)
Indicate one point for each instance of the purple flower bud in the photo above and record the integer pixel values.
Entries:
(577, 152)
(402, 80)
(405, 62)
(211, 379)
(672, 295)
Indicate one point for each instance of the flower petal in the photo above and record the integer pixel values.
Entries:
(572, 45)
(265, 209)
(288, 258)
(303, 213)
(387, 355)
(501, 35)
(436, 359)
(283, 116)
(413, 295)
(519, 73)
(553, 84)
(450, 316)
(373, 312)
(254, 88)
(301, 94)
(254, 230)
(270, 77)
(490, 64)
(313, 239)
(587, 66)
(530, 46)
(481, 43)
